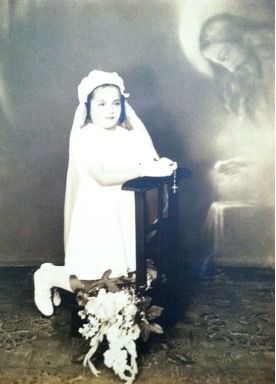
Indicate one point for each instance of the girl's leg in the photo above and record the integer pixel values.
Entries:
(45, 278)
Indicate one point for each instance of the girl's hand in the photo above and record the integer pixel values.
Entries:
(158, 168)
(169, 162)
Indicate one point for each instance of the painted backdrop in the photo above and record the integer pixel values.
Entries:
(200, 76)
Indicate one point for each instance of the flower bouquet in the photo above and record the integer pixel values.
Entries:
(114, 313)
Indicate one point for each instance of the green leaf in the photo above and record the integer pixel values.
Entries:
(156, 328)
(145, 302)
(112, 287)
(153, 312)
(82, 298)
(106, 274)
(145, 331)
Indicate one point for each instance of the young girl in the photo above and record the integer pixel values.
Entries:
(109, 145)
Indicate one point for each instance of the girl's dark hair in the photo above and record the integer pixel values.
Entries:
(88, 118)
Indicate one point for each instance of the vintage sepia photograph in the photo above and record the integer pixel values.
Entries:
(137, 191)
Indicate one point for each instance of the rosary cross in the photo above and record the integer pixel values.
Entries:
(174, 187)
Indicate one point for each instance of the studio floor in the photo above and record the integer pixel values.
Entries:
(224, 334)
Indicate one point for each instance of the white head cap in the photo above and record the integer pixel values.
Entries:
(97, 78)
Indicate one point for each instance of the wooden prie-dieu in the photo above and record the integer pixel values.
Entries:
(161, 248)
(156, 236)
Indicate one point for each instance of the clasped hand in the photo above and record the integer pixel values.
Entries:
(231, 166)
(158, 168)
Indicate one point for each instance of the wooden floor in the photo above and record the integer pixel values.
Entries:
(224, 335)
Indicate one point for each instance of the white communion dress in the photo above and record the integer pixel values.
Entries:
(100, 220)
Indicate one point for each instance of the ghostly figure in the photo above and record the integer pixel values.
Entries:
(241, 54)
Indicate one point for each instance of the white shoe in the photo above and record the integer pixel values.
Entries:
(42, 288)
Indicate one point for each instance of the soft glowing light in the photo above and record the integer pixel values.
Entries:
(192, 15)
(214, 224)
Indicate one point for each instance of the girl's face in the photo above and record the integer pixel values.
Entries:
(229, 55)
(106, 107)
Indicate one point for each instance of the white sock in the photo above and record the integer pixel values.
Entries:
(60, 278)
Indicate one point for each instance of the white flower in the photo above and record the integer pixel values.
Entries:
(82, 314)
(93, 321)
(87, 331)
(130, 310)
(113, 334)
(131, 348)
(134, 332)
(121, 300)
(92, 305)
(116, 359)
(113, 315)
(101, 294)
(102, 306)
(107, 311)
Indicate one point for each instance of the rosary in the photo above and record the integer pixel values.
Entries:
(174, 187)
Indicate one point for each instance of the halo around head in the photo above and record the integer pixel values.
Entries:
(97, 78)
(223, 27)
